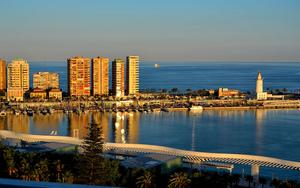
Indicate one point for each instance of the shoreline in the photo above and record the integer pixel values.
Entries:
(240, 108)
(150, 105)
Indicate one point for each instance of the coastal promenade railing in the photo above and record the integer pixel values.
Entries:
(190, 156)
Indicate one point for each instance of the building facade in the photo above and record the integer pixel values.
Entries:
(100, 67)
(17, 79)
(45, 80)
(79, 83)
(38, 93)
(230, 93)
(2, 74)
(118, 88)
(132, 75)
(55, 93)
(260, 94)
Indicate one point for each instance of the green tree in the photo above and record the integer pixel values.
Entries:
(179, 180)
(91, 163)
(146, 180)
(112, 174)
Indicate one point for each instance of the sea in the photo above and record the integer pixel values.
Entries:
(201, 75)
(273, 133)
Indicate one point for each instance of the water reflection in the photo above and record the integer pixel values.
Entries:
(45, 124)
(125, 127)
(20, 124)
(117, 127)
(78, 125)
(260, 115)
(262, 132)
(103, 120)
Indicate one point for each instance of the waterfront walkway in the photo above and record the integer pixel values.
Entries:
(189, 156)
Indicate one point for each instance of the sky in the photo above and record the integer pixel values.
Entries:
(156, 30)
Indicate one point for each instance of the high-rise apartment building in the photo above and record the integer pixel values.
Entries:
(45, 80)
(2, 74)
(100, 80)
(17, 79)
(132, 75)
(118, 77)
(79, 83)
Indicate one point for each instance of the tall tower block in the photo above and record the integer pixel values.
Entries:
(79, 83)
(100, 76)
(2, 74)
(132, 75)
(118, 78)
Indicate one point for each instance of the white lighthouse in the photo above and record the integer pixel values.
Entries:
(260, 94)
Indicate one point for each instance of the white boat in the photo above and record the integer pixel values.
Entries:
(156, 65)
(50, 110)
(196, 108)
(2, 113)
(17, 112)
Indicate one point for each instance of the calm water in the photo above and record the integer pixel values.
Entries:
(201, 75)
(262, 132)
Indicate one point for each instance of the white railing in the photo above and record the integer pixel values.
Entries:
(191, 156)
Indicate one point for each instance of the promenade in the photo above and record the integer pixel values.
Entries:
(194, 157)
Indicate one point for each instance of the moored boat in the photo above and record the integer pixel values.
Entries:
(2, 113)
(50, 110)
(195, 108)
(17, 112)
(66, 111)
(165, 109)
(44, 111)
(30, 112)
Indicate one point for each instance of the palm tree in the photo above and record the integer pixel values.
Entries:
(179, 180)
(189, 90)
(58, 170)
(146, 180)
(24, 169)
(40, 171)
(164, 90)
(174, 90)
(67, 177)
(43, 164)
(249, 179)
(262, 181)
(10, 163)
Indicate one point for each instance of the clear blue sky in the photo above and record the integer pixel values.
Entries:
(157, 30)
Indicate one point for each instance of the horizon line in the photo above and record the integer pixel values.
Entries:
(190, 61)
